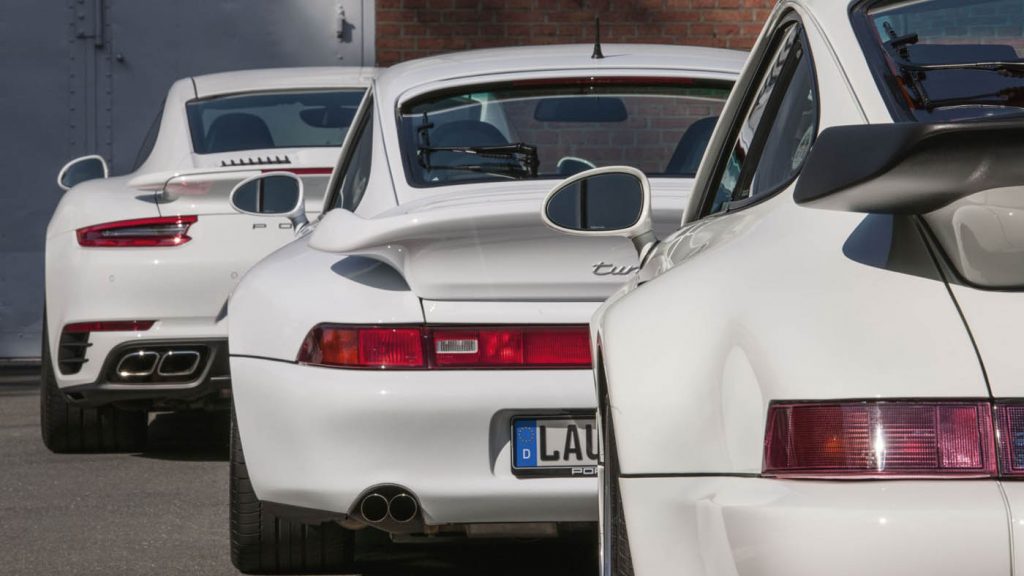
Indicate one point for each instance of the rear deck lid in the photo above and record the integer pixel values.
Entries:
(490, 245)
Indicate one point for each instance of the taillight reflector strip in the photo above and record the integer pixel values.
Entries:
(141, 232)
(405, 347)
(880, 440)
(109, 326)
(1011, 438)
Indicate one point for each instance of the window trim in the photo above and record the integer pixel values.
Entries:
(791, 18)
(364, 115)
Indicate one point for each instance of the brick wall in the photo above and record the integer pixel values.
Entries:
(646, 139)
(409, 29)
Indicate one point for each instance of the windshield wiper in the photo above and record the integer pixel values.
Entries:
(522, 159)
(1014, 69)
(914, 74)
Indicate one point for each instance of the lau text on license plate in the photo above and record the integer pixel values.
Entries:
(554, 446)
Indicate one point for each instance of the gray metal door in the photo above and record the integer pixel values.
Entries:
(88, 76)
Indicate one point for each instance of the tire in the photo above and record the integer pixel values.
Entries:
(68, 429)
(620, 562)
(264, 543)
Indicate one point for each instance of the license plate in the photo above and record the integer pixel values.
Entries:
(554, 446)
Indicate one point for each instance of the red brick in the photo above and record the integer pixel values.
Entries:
(431, 26)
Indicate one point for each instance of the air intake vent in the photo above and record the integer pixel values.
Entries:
(257, 161)
(71, 351)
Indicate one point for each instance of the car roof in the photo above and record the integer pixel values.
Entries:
(282, 79)
(394, 81)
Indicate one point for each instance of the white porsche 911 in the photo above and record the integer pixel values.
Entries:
(821, 371)
(139, 267)
(419, 363)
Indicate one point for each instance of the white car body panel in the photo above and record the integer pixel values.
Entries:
(372, 428)
(764, 527)
(994, 317)
(445, 312)
(775, 342)
(461, 254)
(183, 288)
(779, 302)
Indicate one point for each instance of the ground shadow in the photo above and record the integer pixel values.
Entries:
(196, 436)
(576, 554)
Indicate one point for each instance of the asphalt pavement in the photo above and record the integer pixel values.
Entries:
(164, 511)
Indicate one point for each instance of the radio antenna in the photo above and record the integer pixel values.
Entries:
(597, 55)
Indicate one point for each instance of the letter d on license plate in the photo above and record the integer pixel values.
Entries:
(554, 446)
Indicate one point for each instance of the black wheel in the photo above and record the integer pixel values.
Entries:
(67, 428)
(620, 560)
(264, 543)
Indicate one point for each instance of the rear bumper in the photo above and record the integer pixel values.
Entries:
(318, 438)
(766, 527)
(210, 384)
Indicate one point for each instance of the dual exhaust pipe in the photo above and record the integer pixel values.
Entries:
(401, 508)
(144, 363)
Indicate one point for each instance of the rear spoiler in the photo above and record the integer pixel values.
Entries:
(386, 236)
(174, 184)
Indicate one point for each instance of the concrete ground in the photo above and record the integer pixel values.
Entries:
(164, 511)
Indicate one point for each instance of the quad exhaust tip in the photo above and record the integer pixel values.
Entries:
(402, 508)
(138, 364)
(374, 508)
(178, 363)
(166, 363)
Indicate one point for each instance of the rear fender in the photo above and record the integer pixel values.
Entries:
(297, 287)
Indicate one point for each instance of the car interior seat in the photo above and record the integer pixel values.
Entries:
(690, 149)
(238, 131)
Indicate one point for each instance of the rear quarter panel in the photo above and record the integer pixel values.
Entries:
(776, 302)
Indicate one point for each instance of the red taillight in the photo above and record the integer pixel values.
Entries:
(363, 347)
(558, 347)
(302, 171)
(110, 326)
(464, 347)
(390, 347)
(142, 232)
(880, 440)
(533, 347)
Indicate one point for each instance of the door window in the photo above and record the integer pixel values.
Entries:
(775, 134)
(354, 172)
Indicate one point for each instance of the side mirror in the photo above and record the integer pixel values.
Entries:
(610, 201)
(272, 194)
(909, 168)
(82, 169)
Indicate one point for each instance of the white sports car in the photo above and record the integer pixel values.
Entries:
(419, 363)
(139, 267)
(821, 371)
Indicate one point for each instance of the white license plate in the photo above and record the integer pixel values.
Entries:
(554, 446)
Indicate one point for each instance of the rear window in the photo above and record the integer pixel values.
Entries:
(553, 129)
(947, 60)
(271, 120)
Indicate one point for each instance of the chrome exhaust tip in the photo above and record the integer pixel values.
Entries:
(178, 363)
(137, 364)
(374, 508)
(402, 508)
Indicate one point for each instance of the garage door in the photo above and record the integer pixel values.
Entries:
(88, 76)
